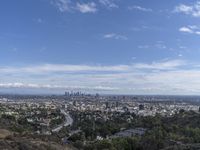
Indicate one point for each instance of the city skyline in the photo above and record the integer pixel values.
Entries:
(104, 46)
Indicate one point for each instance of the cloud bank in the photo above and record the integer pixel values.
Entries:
(163, 77)
(189, 9)
(83, 6)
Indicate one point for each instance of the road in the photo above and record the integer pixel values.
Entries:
(68, 121)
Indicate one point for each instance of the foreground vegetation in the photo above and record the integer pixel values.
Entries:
(181, 131)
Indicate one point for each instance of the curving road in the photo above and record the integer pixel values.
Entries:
(68, 121)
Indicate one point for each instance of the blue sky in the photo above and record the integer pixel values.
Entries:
(105, 46)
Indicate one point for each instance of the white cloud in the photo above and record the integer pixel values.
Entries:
(157, 45)
(62, 5)
(166, 65)
(69, 6)
(86, 7)
(140, 8)
(49, 86)
(108, 3)
(83, 6)
(193, 10)
(192, 29)
(65, 68)
(185, 29)
(180, 55)
(47, 68)
(161, 77)
(115, 36)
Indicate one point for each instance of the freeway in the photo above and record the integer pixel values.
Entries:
(68, 121)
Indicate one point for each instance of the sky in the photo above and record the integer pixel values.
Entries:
(100, 46)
